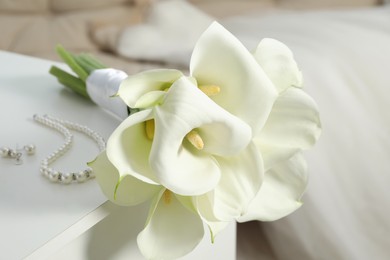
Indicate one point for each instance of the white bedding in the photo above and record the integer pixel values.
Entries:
(345, 59)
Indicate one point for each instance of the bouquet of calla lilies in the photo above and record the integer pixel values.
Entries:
(219, 145)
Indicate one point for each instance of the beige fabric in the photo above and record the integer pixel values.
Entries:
(32, 6)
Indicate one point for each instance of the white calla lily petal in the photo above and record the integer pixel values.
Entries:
(192, 203)
(128, 191)
(226, 136)
(128, 148)
(280, 192)
(187, 172)
(272, 154)
(178, 165)
(171, 230)
(294, 121)
(150, 99)
(220, 59)
(241, 179)
(188, 202)
(278, 62)
(204, 206)
(216, 227)
(135, 86)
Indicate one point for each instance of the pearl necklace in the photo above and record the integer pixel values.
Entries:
(63, 127)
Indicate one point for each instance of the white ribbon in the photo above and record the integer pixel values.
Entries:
(102, 85)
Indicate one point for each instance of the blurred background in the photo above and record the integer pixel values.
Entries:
(342, 47)
(34, 27)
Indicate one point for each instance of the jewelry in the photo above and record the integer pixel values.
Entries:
(18, 158)
(6, 152)
(63, 127)
(30, 149)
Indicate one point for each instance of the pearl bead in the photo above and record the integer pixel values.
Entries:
(12, 153)
(54, 176)
(66, 178)
(4, 151)
(43, 170)
(89, 173)
(80, 176)
(46, 173)
(30, 149)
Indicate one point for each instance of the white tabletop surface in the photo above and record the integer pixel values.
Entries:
(44, 220)
(32, 209)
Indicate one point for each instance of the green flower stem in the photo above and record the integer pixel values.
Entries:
(69, 81)
(88, 63)
(84, 64)
(92, 61)
(68, 59)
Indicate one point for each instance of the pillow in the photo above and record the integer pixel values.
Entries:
(169, 33)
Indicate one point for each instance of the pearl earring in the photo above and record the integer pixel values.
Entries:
(6, 152)
(18, 158)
